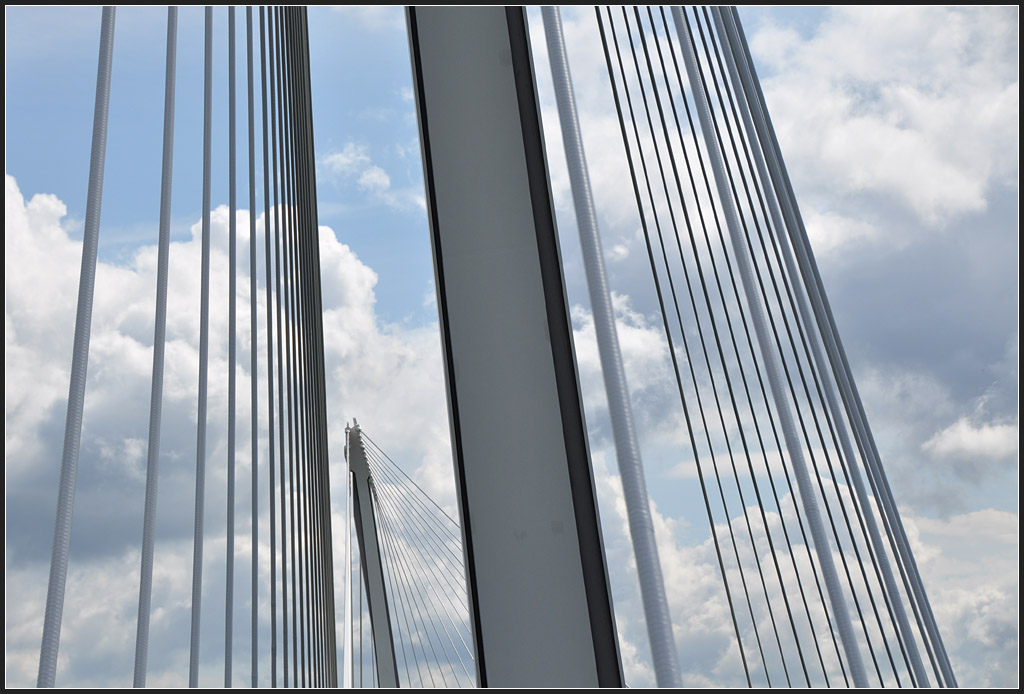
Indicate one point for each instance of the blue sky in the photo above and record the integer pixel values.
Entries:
(899, 127)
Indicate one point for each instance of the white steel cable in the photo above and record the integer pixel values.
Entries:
(253, 363)
(79, 365)
(229, 587)
(204, 360)
(821, 545)
(837, 357)
(742, 80)
(641, 526)
(159, 339)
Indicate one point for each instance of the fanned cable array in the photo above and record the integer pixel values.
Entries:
(291, 467)
(808, 576)
(821, 585)
(420, 547)
(302, 508)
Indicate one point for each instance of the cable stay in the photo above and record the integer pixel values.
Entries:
(417, 598)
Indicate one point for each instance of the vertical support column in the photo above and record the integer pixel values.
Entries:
(540, 602)
(369, 558)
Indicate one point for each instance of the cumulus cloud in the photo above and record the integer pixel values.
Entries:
(968, 564)
(387, 376)
(915, 105)
(965, 439)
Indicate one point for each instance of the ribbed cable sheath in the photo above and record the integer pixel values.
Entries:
(159, 339)
(728, 35)
(229, 583)
(813, 515)
(645, 548)
(837, 356)
(204, 360)
(79, 365)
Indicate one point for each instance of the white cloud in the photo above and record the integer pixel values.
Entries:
(374, 180)
(352, 164)
(387, 376)
(965, 439)
(918, 105)
(349, 161)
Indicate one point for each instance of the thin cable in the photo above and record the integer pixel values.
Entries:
(668, 334)
(270, 355)
(159, 342)
(685, 341)
(396, 476)
(750, 344)
(631, 472)
(253, 365)
(79, 364)
(399, 603)
(320, 374)
(204, 359)
(453, 581)
(792, 390)
(735, 346)
(836, 598)
(721, 355)
(289, 341)
(403, 580)
(395, 465)
(880, 565)
(377, 462)
(449, 558)
(778, 343)
(833, 345)
(299, 529)
(348, 664)
(229, 590)
(283, 430)
(391, 507)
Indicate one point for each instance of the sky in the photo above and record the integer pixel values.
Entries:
(900, 130)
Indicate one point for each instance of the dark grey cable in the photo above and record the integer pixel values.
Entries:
(204, 359)
(836, 353)
(274, 51)
(253, 363)
(718, 348)
(285, 316)
(700, 332)
(395, 512)
(390, 535)
(821, 544)
(736, 350)
(631, 472)
(229, 591)
(270, 356)
(399, 604)
(664, 315)
(79, 365)
(159, 342)
(728, 34)
(832, 473)
(782, 352)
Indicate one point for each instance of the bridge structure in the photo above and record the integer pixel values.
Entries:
(511, 587)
